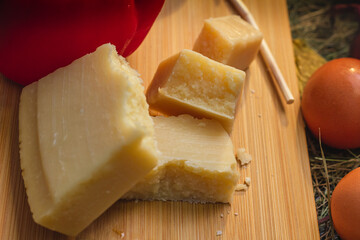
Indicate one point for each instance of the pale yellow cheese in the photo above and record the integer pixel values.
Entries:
(189, 83)
(229, 40)
(86, 138)
(196, 162)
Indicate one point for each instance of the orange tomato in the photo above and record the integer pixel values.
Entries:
(331, 103)
(345, 206)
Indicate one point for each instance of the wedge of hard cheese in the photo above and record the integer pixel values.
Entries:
(85, 139)
(229, 40)
(196, 162)
(189, 83)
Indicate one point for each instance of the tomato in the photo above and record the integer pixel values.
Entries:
(345, 207)
(331, 103)
(39, 36)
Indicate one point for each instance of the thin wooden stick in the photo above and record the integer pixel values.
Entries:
(265, 52)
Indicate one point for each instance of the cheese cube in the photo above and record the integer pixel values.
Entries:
(196, 162)
(86, 138)
(229, 40)
(189, 83)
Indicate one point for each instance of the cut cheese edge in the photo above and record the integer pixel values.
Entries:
(189, 83)
(229, 40)
(196, 162)
(86, 138)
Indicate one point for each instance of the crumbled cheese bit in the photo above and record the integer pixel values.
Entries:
(247, 181)
(252, 90)
(121, 233)
(243, 156)
(218, 233)
(241, 187)
(228, 211)
(236, 214)
(221, 215)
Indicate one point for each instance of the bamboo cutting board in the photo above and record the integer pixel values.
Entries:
(279, 203)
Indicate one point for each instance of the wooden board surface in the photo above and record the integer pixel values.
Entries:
(279, 203)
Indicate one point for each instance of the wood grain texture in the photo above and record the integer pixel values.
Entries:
(279, 203)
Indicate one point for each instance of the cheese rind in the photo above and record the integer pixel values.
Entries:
(196, 162)
(189, 83)
(86, 138)
(229, 40)
(32, 173)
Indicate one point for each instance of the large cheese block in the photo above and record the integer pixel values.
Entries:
(196, 162)
(189, 83)
(86, 138)
(229, 40)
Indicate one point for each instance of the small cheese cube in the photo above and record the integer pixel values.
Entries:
(86, 138)
(189, 83)
(196, 162)
(229, 40)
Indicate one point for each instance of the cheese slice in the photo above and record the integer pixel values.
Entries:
(86, 138)
(196, 162)
(229, 40)
(189, 83)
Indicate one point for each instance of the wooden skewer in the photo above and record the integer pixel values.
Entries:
(265, 52)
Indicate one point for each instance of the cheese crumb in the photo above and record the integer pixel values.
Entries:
(252, 91)
(247, 181)
(218, 233)
(243, 156)
(121, 233)
(221, 215)
(236, 214)
(241, 187)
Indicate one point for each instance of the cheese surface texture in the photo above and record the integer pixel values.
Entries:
(85, 139)
(229, 40)
(196, 162)
(189, 83)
